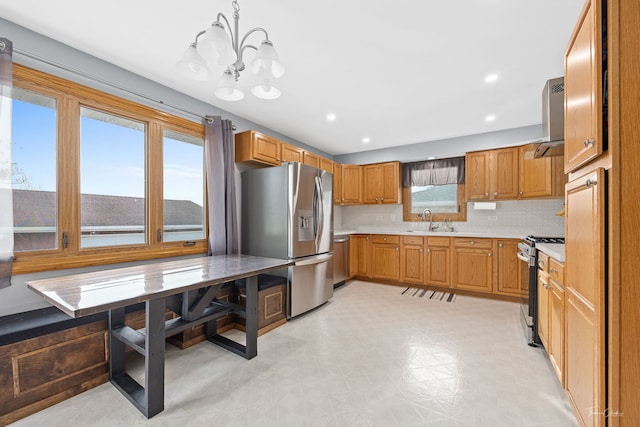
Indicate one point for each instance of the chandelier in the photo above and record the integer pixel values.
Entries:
(220, 44)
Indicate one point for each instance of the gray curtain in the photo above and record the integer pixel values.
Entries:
(433, 172)
(221, 186)
(6, 195)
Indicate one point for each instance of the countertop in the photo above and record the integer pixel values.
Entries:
(554, 250)
(490, 235)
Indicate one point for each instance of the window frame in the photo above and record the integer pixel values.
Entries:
(460, 216)
(70, 97)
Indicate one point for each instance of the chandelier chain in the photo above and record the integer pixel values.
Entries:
(235, 5)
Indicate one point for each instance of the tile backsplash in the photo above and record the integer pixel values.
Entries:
(520, 217)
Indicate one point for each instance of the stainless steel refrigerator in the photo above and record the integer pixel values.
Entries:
(287, 212)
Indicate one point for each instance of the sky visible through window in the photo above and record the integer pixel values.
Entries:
(111, 161)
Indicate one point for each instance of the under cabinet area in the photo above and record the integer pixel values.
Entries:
(468, 265)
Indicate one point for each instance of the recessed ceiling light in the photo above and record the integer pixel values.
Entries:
(430, 158)
(366, 140)
(490, 118)
(491, 78)
(331, 117)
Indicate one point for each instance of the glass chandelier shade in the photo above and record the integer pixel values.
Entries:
(191, 65)
(229, 89)
(220, 44)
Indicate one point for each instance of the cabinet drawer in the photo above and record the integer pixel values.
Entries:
(438, 241)
(382, 238)
(556, 271)
(543, 262)
(413, 240)
(473, 243)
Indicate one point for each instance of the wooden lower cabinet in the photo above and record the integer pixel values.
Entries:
(361, 260)
(543, 308)
(472, 264)
(555, 341)
(412, 260)
(385, 257)
(438, 261)
(508, 268)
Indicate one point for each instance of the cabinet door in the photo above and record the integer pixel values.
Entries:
(362, 255)
(291, 153)
(266, 149)
(385, 261)
(310, 159)
(337, 183)
(473, 269)
(477, 175)
(389, 182)
(535, 176)
(508, 267)
(412, 264)
(556, 329)
(543, 309)
(504, 173)
(585, 297)
(325, 164)
(583, 91)
(438, 266)
(371, 175)
(351, 184)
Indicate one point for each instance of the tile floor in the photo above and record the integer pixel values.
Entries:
(369, 357)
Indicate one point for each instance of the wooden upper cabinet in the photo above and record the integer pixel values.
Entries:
(492, 174)
(583, 138)
(257, 149)
(351, 184)
(291, 153)
(310, 159)
(535, 176)
(326, 164)
(382, 183)
(503, 173)
(477, 175)
(337, 183)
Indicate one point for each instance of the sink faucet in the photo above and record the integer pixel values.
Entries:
(423, 215)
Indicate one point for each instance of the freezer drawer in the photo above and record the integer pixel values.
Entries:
(310, 283)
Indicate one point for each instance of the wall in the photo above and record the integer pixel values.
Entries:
(516, 218)
(451, 147)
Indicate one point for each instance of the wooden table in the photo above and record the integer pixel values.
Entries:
(188, 287)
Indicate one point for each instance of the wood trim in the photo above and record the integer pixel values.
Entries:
(461, 216)
(70, 97)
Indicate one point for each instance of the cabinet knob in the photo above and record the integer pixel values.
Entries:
(420, 250)
(486, 194)
(521, 193)
(428, 251)
(384, 238)
(489, 254)
(472, 242)
(500, 245)
(376, 199)
(590, 182)
(495, 194)
(553, 270)
(382, 199)
(588, 142)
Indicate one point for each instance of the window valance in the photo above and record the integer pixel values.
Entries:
(433, 172)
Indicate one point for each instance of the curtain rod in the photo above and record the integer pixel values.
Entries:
(208, 119)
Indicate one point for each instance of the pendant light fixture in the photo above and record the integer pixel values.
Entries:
(220, 44)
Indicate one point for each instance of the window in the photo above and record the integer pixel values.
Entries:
(34, 171)
(112, 178)
(183, 187)
(436, 185)
(91, 182)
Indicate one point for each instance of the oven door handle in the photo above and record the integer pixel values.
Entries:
(523, 258)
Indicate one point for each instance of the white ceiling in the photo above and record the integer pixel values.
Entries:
(396, 71)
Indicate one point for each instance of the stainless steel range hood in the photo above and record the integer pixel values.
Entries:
(552, 142)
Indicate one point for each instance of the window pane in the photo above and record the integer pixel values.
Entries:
(438, 198)
(183, 187)
(112, 180)
(34, 171)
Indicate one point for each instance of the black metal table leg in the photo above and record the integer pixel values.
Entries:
(250, 349)
(154, 360)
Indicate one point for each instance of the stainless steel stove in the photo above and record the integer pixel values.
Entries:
(528, 253)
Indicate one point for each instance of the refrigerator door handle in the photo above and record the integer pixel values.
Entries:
(318, 209)
(319, 259)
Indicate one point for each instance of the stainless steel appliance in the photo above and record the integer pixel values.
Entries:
(340, 260)
(528, 253)
(287, 212)
(552, 141)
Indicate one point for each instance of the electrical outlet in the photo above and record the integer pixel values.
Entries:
(492, 217)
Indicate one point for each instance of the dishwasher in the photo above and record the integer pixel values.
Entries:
(340, 260)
